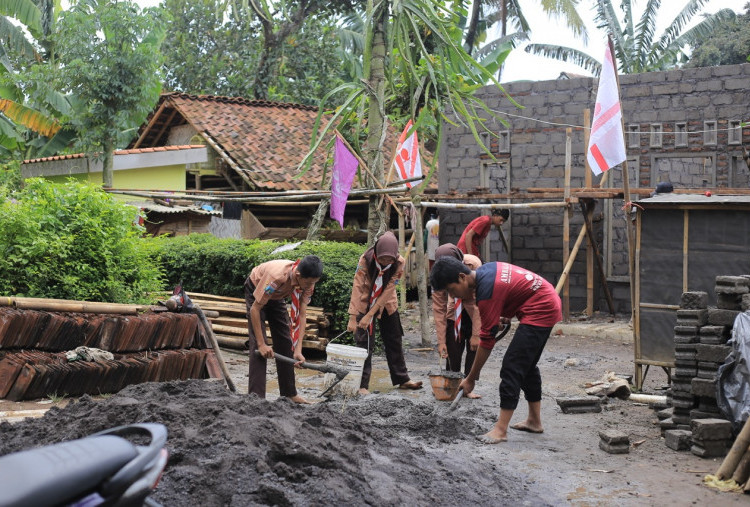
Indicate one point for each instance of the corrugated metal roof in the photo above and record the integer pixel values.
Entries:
(132, 151)
(160, 208)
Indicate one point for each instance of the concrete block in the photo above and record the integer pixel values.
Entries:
(665, 414)
(714, 335)
(697, 413)
(695, 300)
(678, 440)
(712, 353)
(688, 372)
(711, 429)
(686, 334)
(684, 404)
(729, 301)
(614, 437)
(708, 405)
(614, 448)
(580, 404)
(731, 285)
(704, 387)
(681, 420)
(667, 424)
(692, 317)
(683, 387)
(719, 317)
(712, 451)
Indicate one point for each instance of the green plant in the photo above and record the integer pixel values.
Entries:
(73, 241)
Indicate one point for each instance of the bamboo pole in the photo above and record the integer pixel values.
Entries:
(732, 459)
(571, 259)
(742, 472)
(590, 245)
(401, 246)
(566, 225)
(589, 233)
(457, 205)
(61, 305)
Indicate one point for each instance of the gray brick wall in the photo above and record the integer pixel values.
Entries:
(537, 159)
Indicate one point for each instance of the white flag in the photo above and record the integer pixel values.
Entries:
(607, 142)
(407, 161)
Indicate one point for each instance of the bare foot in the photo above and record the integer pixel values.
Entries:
(489, 438)
(411, 384)
(363, 391)
(473, 396)
(528, 427)
(299, 399)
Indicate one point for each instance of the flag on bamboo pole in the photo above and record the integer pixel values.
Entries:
(344, 167)
(606, 146)
(407, 161)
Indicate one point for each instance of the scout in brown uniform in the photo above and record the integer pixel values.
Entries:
(266, 289)
(374, 296)
(457, 321)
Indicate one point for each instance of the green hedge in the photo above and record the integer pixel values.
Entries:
(220, 266)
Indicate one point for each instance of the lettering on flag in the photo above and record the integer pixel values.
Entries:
(407, 161)
(606, 146)
(344, 168)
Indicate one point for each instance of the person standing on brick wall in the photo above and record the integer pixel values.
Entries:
(478, 229)
(266, 290)
(374, 298)
(457, 321)
(504, 291)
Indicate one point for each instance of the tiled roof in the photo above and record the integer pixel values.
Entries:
(118, 152)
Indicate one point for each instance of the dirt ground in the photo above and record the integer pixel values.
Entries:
(395, 447)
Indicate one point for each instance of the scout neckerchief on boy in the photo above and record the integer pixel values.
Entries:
(296, 296)
(457, 319)
(377, 290)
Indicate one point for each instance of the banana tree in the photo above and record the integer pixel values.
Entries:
(637, 49)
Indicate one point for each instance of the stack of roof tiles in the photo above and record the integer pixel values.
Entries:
(146, 347)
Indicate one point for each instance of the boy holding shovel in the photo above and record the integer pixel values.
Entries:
(457, 321)
(504, 291)
(266, 290)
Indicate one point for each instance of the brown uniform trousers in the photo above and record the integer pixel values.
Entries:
(277, 315)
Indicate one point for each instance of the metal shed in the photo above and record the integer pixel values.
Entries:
(683, 242)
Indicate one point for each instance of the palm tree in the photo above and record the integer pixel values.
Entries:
(636, 48)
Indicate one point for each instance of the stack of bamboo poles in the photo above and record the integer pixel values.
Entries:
(230, 326)
(736, 464)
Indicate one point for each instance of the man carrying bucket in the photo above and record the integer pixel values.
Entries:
(266, 290)
(457, 321)
(504, 291)
(374, 297)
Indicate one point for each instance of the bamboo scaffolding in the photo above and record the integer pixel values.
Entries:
(447, 205)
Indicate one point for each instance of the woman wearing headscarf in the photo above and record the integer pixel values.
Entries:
(374, 298)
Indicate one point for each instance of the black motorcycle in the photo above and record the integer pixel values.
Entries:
(101, 469)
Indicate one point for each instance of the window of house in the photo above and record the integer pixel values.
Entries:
(656, 135)
(503, 141)
(680, 134)
(634, 136)
(709, 132)
(735, 132)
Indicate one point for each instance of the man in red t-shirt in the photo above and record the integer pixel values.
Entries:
(478, 229)
(503, 291)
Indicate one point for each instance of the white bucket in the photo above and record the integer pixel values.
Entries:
(350, 358)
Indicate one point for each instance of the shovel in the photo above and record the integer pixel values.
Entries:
(325, 368)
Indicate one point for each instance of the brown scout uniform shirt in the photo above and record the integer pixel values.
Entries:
(275, 280)
(443, 306)
(362, 286)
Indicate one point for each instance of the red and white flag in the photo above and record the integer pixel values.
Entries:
(407, 161)
(607, 142)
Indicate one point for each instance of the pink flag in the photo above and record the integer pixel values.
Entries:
(607, 142)
(407, 161)
(344, 167)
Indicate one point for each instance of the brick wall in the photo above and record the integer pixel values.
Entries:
(665, 116)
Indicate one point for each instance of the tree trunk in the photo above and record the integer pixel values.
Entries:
(424, 317)
(107, 162)
(313, 230)
(471, 30)
(376, 119)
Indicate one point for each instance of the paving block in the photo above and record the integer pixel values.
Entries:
(665, 414)
(614, 437)
(697, 413)
(684, 404)
(714, 335)
(614, 448)
(704, 387)
(708, 405)
(712, 353)
(686, 372)
(683, 387)
(678, 440)
(681, 419)
(711, 429)
(710, 451)
(580, 404)
(731, 285)
(667, 424)
(719, 317)
(692, 317)
(729, 301)
(694, 300)
(686, 334)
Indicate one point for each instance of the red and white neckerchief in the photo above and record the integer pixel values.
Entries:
(457, 318)
(296, 324)
(377, 290)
